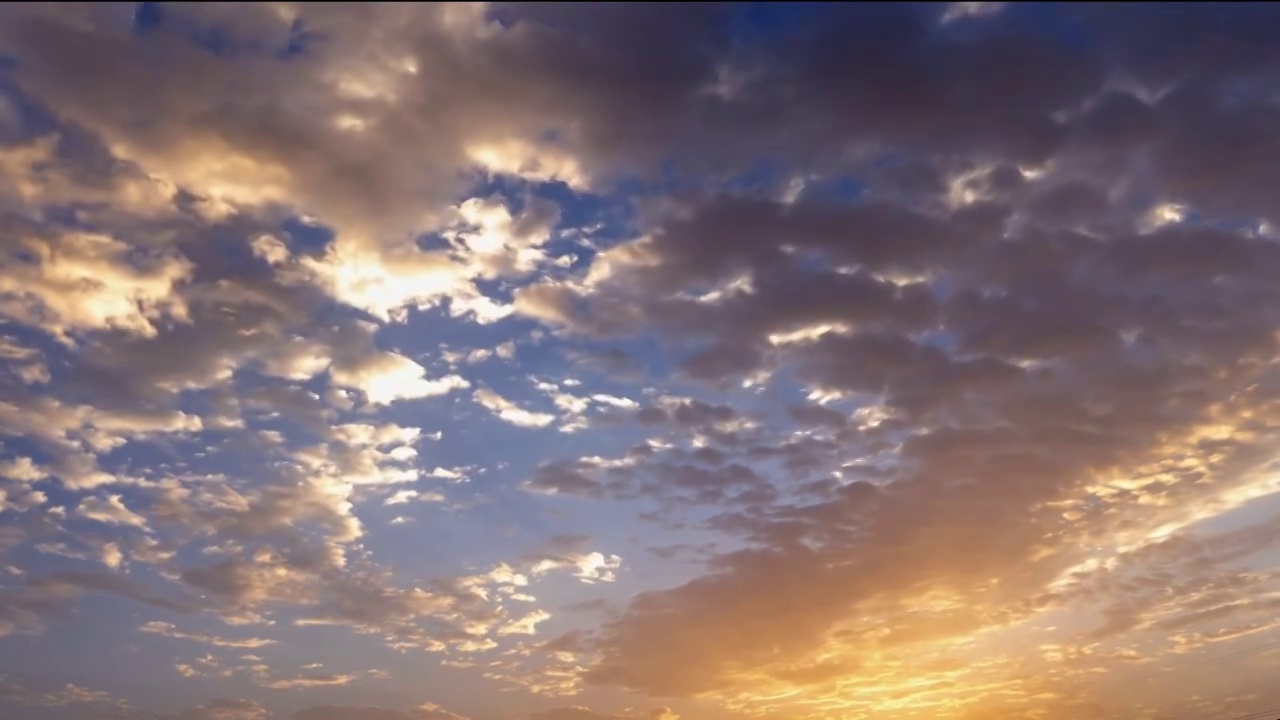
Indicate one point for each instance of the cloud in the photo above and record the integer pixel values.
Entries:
(959, 10)
(386, 377)
(570, 552)
(426, 711)
(945, 332)
(848, 299)
(401, 497)
(110, 510)
(589, 567)
(547, 302)
(25, 608)
(564, 477)
(307, 681)
(168, 630)
(69, 694)
(72, 435)
(582, 713)
(220, 709)
(227, 710)
(510, 412)
(800, 551)
(89, 282)
(526, 625)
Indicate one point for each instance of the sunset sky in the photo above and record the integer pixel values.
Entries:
(639, 362)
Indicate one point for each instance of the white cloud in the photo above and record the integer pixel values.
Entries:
(615, 401)
(110, 510)
(387, 377)
(84, 281)
(590, 567)
(510, 412)
(111, 555)
(401, 497)
(527, 625)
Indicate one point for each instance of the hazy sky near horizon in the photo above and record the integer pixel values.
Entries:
(369, 361)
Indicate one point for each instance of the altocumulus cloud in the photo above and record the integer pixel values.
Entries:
(497, 361)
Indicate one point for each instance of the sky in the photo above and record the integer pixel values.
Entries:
(670, 361)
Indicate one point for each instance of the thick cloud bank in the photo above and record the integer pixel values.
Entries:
(433, 362)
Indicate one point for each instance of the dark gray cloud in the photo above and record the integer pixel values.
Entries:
(1023, 337)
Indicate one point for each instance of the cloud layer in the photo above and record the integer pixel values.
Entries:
(529, 361)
